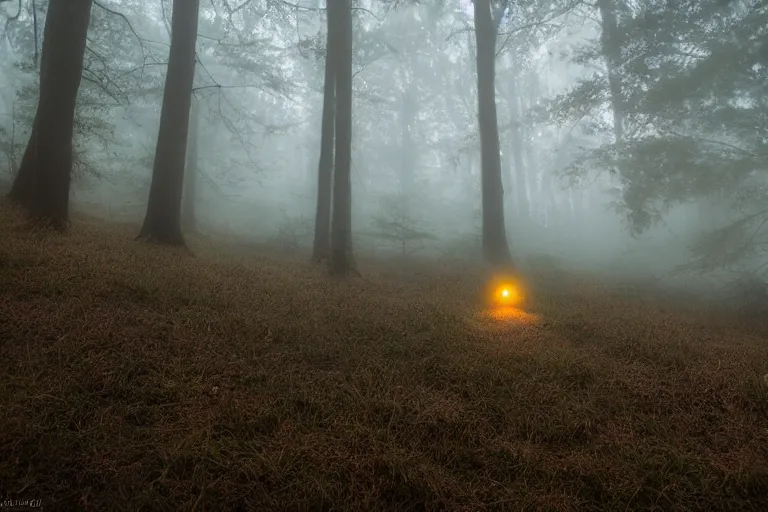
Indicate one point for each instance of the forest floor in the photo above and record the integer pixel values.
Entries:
(136, 377)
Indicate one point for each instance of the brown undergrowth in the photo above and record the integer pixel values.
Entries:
(136, 377)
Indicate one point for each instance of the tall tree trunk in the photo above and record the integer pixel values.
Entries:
(547, 195)
(189, 213)
(521, 179)
(611, 48)
(322, 244)
(342, 261)
(546, 191)
(495, 247)
(508, 180)
(577, 200)
(42, 183)
(162, 222)
(408, 154)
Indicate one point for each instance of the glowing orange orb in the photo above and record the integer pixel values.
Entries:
(507, 294)
(504, 291)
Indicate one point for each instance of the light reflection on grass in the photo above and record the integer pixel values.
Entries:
(510, 314)
(504, 317)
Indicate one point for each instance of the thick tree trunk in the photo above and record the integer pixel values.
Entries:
(322, 244)
(611, 48)
(342, 261)
(42, 183)
(189, 220)
(495, 247)
(162, 222)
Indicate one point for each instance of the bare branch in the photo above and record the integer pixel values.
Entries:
(95, 81)
(320, 9)
(566, 10)
(127, 22)
(715, 142)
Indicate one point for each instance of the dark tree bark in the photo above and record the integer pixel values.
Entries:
(162, 222)
(342, 261)
(189, 215)
(42, 183)
(322, 244)
(495, 247)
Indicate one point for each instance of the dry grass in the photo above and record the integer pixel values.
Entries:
(139, 378)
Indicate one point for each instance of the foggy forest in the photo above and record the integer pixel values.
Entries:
(384, 255)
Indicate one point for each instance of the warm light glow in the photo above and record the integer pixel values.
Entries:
(506, 295)
(501, 319)
(510, 315)
(505, 290)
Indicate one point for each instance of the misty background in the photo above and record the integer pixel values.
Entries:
(677, 194)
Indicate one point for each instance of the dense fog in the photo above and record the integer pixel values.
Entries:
(676, 188)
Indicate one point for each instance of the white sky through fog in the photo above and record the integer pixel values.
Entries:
(466, 6)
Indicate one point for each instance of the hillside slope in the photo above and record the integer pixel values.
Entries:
(138, 377)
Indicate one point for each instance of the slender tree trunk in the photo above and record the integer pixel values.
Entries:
(322, 244)
(611, 48)
(572, 205)
(342, 262)
(545, 191)
(188, 210)
(408, 153)
(162, 222)
(42, 183)
(34, 31)
(547, 194)
(521, 179)
(495, 247)
(577, 199)
(508, 180)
